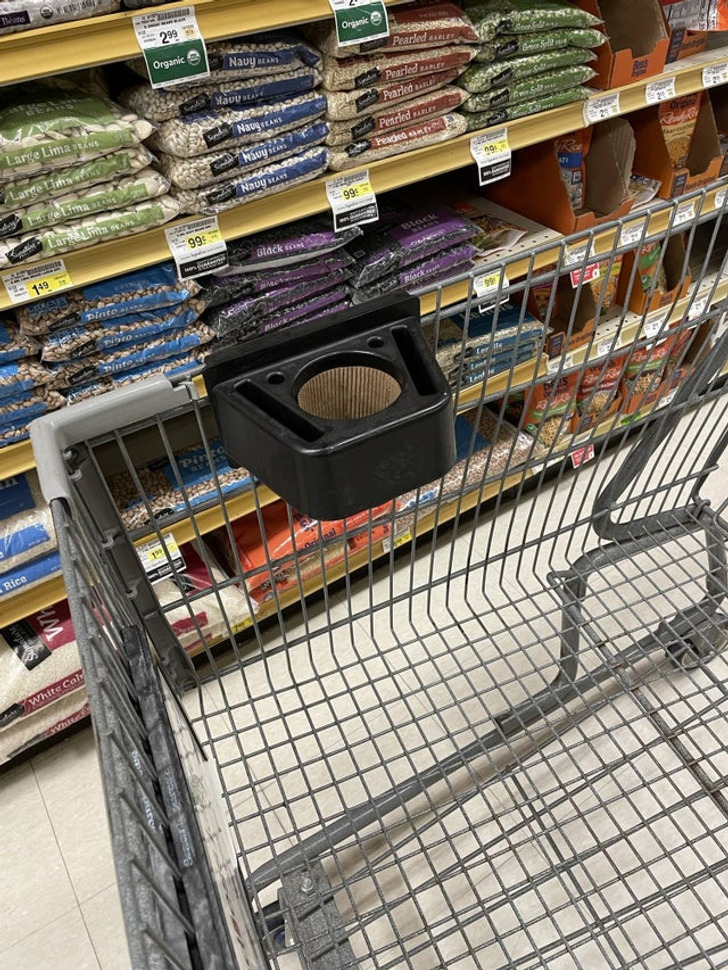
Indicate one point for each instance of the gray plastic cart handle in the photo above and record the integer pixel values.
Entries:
(52, 434)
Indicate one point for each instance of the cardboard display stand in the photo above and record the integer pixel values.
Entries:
(678, 279)
(638, 40)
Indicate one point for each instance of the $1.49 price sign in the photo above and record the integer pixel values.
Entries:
(45, 279)
(492, 155)
(352, 200)
(172, 45)
(197, 247)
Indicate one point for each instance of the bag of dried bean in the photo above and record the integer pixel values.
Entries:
(14, 345)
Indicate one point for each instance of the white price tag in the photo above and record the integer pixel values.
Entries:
(556, 364)
(601, 107)
(486, 287)
(197, 247)
(37, 282)
(714, 74)
(157, 563)
(492, 155)
(698, 307)
(666, 401)
(684, 213)
(582, 455)
(720, 198)
(661, 90)
(604, 348)
(352, 200)
(172, 45)
(650, 328)
(359, 21)
(632, 233)
(577, 254)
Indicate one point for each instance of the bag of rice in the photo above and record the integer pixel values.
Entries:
(14, 345)
(47, 723)
(355, 73)
(288, 244)
(194, 173)
(75, 235)
(30, 574)
(17, 15)
(204, 132)
(209, 618)
(523, 108)
(75, 342)
(40, 188)
(538, 42)
(39, 663)
(529, 89)
(256, 184)
(163, 497)
(158, 104)
(401, 115)
(411, 27)
(395, 142)
(26, 524)
(479, 78)
(129, 295)
(146, 184)
(255, 56)
(524, 16)
(343, 105)
(41, 134)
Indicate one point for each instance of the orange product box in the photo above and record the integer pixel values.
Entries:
(631, 286)
(638, 40)
(704, 159)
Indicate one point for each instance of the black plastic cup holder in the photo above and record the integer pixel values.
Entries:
(338, 415)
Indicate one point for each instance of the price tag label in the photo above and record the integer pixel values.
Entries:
(197, 247)
(698, 307)
(601, 107)
(720, 198)
(666, 401)
(492, 155)
(158, 563)
(587, 275)
(604, 348)
(632, 233)
(359, 21)
(486, 287)
(556, 364)
(352, 200)
(684, 213)
(650, 328)
(394, 542)
(714, 74)
(172, 45)
(582, 455)
(45, 279)
(660, 90)
(576, 254)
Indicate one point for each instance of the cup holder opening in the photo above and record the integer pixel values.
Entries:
(348, 393)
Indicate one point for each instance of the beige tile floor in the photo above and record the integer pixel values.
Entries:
(60, 903)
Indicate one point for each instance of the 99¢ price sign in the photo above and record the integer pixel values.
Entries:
(492, 155)
(172, 45)
(197, 247)
(352, 200)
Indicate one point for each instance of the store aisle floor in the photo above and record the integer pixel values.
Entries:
(60, 903)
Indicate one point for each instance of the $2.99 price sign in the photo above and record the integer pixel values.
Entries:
(39, 281)
(172, 45)
(352, 200)
(197, 247)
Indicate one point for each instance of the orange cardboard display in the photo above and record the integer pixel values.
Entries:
(638, 40)
(676, 270)
(536, 189)
(652, 158)
(683, 43)
(719, 103)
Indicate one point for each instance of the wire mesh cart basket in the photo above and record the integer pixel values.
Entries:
(495, 737)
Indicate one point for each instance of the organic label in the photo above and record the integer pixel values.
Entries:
(45, 279)
(631, 234)
(492, 155)
(587, 275)
(197, 247)
(661, 90)
(172, 45)
(715, 74)
(352, 200)
(158, 563)
(601, 107)
(359, 21)
(582, 455)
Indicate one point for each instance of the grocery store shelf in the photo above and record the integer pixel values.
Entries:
(16, 606)
(129, 253)
(103, 40)
(15, 459)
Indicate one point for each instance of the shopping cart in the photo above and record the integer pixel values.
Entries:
(495, 736)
